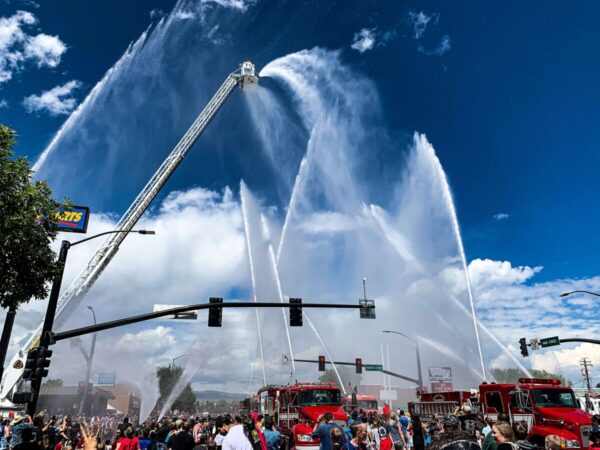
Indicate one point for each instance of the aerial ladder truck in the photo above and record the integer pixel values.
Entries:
(246, 78)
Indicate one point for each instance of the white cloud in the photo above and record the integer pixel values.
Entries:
(501, 216)
(17, 47)
(419, 21)
(147, 343)
(157, 13)
(364, 40)
(443, 47)
(241, 5)
(512, 308)
(45, 50)
(184, 15)
(58, 100)
(3, 103)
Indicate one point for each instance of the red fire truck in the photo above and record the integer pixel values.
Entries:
(433, 404)
(367, 403)
(296, 408)
(546, 406)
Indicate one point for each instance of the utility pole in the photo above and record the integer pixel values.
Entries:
(586, 364)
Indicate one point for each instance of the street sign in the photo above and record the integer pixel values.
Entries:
(189, 315)
(373, 367)
(550, 342)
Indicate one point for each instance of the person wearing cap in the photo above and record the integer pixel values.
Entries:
(21, 431)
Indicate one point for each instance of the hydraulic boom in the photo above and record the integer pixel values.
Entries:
(245, 78)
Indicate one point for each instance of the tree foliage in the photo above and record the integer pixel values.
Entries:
(168, 376)
(348, 376)
(27, 263)
(53, 382)
(512, 375)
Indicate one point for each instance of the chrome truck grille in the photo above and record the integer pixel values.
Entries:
(586, 431)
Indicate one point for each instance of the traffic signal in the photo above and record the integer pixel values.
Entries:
(358, 365)
(215, 313)
(321, 363)
(523, 345)
(30, 363)
(296, 312)
(43, 361)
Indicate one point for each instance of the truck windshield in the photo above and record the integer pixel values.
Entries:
(320, 397)
(367, 404)
(554, 398)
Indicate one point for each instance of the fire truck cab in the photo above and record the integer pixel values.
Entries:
(546, 406)
(296, 408)
(367, 403)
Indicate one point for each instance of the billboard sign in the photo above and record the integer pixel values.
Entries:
(440, 373)
(72, 220)
(103, 379)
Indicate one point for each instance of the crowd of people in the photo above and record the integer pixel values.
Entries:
(387, 431)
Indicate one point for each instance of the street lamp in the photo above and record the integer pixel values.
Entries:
(53, 302)
(175, 359)
(416, 342)
(566, 294)
(89, 366)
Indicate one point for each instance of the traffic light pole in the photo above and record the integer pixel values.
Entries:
(387, 372)
(36, 382)
(55, 337)
(50, 338)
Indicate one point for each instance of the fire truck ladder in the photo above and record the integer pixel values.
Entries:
(245, 78)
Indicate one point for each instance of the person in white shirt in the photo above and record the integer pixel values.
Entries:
(236, 439)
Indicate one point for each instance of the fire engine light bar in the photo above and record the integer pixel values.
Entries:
(552, 381)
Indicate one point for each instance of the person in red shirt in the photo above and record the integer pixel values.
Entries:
(386, 411)
(385, 442)
(129, 442)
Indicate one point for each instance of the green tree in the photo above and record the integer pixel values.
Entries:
(168, 376)
(27, 263)
(53, 382)
(348, 376)
(512, 375)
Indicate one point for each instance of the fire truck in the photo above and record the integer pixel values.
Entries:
(546, 406)
(367, 403)
(297, 407)
(432, 404)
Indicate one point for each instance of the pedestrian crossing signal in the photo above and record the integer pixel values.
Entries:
(215, 313)
(321, 363)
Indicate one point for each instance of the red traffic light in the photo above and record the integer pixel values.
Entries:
(321, 363)
(359, 365)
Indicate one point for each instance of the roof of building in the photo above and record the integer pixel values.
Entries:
(73, 390)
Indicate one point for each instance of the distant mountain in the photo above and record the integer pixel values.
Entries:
(219, 395)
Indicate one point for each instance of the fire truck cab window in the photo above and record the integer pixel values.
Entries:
(320, 397)
(554, 398)
(494, 400)
(514, 403)
(367, 404)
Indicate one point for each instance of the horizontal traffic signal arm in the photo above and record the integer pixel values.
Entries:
(55, 337)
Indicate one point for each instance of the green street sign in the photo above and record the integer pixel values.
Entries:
(550, 342)
(373, 367)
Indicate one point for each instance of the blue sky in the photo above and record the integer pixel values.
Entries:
(510, 106)
(506, 93)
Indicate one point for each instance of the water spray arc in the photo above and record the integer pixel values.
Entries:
(253, 277)
(447, 194)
